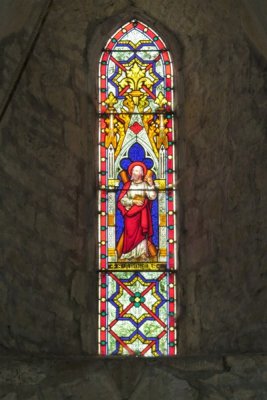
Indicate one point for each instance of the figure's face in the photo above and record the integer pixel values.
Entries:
(137, 173)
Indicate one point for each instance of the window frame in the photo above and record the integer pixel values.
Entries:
(95, 47)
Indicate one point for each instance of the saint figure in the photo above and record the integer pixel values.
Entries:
(134, 202)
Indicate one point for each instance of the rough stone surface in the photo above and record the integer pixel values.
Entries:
(48, 213)
(191, 378)
(19, 19)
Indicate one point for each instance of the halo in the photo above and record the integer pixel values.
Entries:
(134, 164)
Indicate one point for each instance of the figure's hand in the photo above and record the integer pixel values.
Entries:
(138, 202)
(149, 180)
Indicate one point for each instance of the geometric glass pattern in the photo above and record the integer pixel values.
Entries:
(137, 214)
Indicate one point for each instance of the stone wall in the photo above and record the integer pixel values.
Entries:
(48, 178)
(254, 22)
(20, 22)
(190, 378)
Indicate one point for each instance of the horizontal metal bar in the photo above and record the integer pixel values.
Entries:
(135, 51)
(105, 114)
(107, 189)
(107, 271)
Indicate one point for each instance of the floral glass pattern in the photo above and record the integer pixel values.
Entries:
(137, 230)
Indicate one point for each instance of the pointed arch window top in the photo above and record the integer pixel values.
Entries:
(135, 60)
(135, 35)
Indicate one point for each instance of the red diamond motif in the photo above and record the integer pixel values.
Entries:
(136, 128)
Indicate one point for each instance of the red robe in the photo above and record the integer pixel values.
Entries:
(137, 222)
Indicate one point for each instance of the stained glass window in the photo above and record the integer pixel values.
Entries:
(136, 230)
